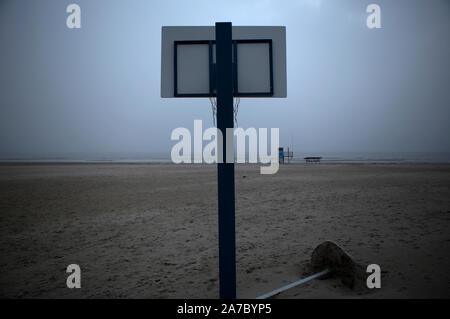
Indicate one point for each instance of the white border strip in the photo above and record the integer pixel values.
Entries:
(301, 281)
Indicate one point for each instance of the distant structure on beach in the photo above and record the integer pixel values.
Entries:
(284, 154)
(313, 159)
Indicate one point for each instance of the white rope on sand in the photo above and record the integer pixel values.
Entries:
(296, 283)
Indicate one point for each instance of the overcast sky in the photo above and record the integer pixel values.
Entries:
(350, 88)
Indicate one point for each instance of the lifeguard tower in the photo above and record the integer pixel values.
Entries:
(284, 154)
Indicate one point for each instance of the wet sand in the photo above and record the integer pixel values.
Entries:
(150, 230)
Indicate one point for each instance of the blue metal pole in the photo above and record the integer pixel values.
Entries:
(225, 171)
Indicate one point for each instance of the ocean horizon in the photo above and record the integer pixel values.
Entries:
(161, 157)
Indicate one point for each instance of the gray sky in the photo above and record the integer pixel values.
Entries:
(350, 88)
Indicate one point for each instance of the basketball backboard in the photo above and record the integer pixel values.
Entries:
(188, 61)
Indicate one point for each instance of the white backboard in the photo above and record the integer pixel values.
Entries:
(188, 57)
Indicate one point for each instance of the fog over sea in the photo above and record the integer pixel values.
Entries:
(164, 157)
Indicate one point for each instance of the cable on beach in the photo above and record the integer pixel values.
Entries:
(294, 284)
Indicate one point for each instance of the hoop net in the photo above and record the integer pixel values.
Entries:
(236, 102)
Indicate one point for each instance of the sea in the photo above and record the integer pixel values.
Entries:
(165, 157)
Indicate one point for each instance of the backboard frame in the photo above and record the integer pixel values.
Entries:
(212, 67)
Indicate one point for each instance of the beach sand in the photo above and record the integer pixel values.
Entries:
(150, 230)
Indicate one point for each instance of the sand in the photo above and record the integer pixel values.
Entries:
(150, 230)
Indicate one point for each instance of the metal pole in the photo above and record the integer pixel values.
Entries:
(225, 171)
(294, 284)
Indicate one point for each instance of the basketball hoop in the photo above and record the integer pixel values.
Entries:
(236, 102)
(192, 58)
